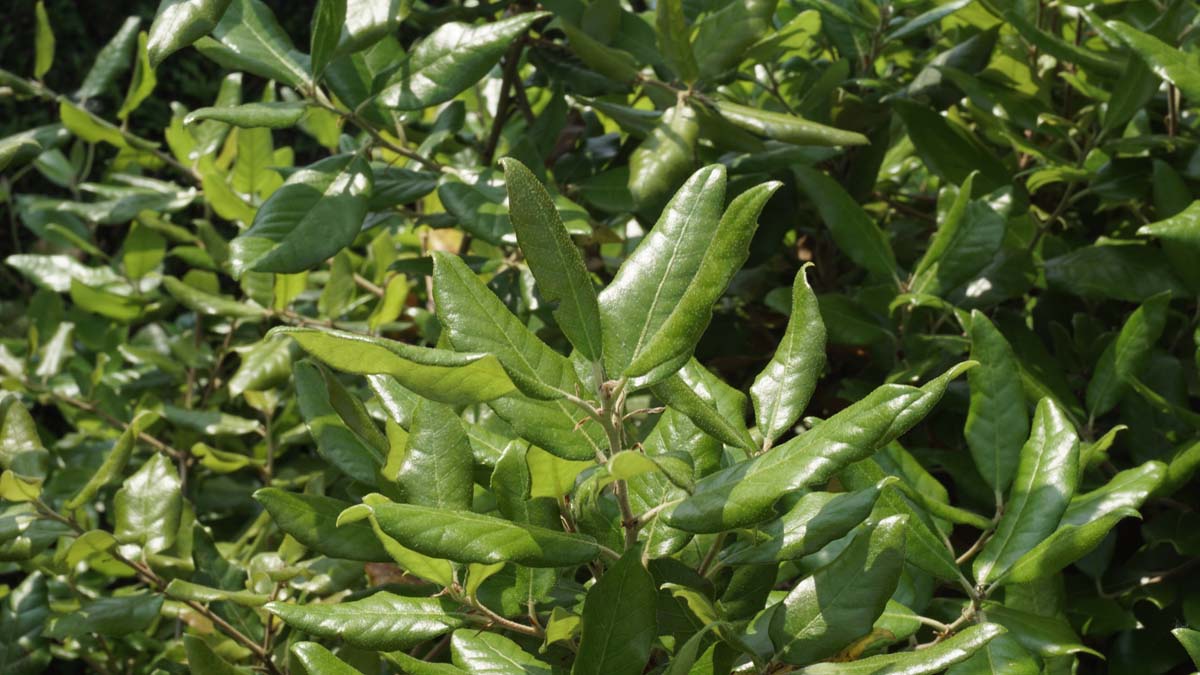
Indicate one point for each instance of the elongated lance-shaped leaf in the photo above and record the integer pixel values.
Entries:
(114, 462)
(453, 58)
(113, 60)
(855, 232)
(248, 37)
(437, 466)
(841, 601)
(202, 659)
(1172, 64)
(674, 40)
(1126, 356)
(317, 659)
(468, 537)
(997, 419)
(337, 443)
(934, 659)
(311, 520)
(787, 128)
(383, 621)
(317, 212)
(328, 19)
(476, 651)
(672, 343)
(745, 493)
(656, 276)
(1047, 475)
(553, 258)
(619, 620)
(1001, 656)
(272, 115)
(782, 390)
(708, 402)
(179, 23)
(455, 378)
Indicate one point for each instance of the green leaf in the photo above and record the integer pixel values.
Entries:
(264, 364)
(1125, 357)
(114, 463)
(147, 508)
(468, 537)
(317, 212)
(1180, 237)
(934, 659)
(619, 620)
(554, 259)
(211, 422)
(855, 233)
(711, 404)
(670, 342)
(441, 375)
(113, 60)
(317, 659)
(1067, 544)
(723, 36)
(1042, 635)
(328, 19)
(788, 128)
(997, 419)
(23, 615)
(18, 150)
(211, 305)
(1002, 656)
(108, 616)
(179, 23)
(414, 666)
(1047, 474)
(950, 150)
(674, 40)
(43, 42)
(512, 483)
(272, 115)
(249, 37)
(202, 659)
(841, 601)
(436, 470)
(337, 443)
(1190, 639)
(1127, 272)
(312, 520)
(381, 622)
(663, 161)
(186, 590)
(783, 388)
(143, 82)
(1176, 66)
(655, 277)
(21, 449)
(451, 59)
(1061, 49)
(614, 64)
(745, 493)
(485, 653)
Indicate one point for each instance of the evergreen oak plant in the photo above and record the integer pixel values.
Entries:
(829, 337)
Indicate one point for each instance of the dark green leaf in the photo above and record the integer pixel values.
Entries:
(383, 621)
(619, 620)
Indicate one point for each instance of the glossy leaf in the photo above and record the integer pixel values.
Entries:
(317, 659)
(382, 621)
(619, 620)
(179, 23)
(855, 233)
(1126, 356)
(274, 115)
(925, 662)
(478, 652)
(249, 37)
(146, 509)
(997, 420)
(436, 470)
(312, 519)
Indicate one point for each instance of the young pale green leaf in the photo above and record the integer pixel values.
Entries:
(1046, 477)
(186, 590)
(663, 161)
(272, 115)
(841, 601)
(619, 620)
(782, 390)
(934, 659)
(855, 233)
(670, 343)
(788, 128)
(512, 483)
(202, 659)
(1001, 656)
(312, 521)
(248, 37)
(147, 508)
(477, 651)
(468, 537)
(451, 59)
(328, 19)
(43, 42)
(317, 659)
(745, 493)
(817, 519)
(438, 374)
(143, 82)
(1126, 356)
(997, 419)
(179, 23)
(674, 40)
(211, 305)
(317, 212)
(437, 466)
(655, 277)
(553, 258)
(383, 621)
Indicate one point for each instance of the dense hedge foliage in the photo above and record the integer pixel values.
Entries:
(834, 337)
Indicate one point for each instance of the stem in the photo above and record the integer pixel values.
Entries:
(173, 453)
(499, 620)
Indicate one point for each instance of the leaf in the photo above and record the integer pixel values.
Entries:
(950, 150)
(1002, 656)
(1042, 635)
(211, 422)
(312, 520)
(841, 601)
(179, 23)
(1131, 273)
(554, 259)
(147, 508)
(788, 128)
(619, 620)
(381, 622)
(1125, 357)
(855, 233)
(202, 659)
(143, 82)
(21, 449)
(817, 519)
(438, 374)
(928, 18)
(490, 654)
(723, 36)
(1047, 474)
(113, 60)
(1173, 65)
(935, 659)
(43, 42)
(211, 305)
(108, 616)
(451, 59)
(1067, 544)
(512, 483)
(186, 590)
(670, 343)
(1190, 639)
(337, 443)
(1180, 237)
(745, 493)
(437, 466)
(317, 212)
(264, 365)
(782, 390)
(709, 403)
(272, 115)
(23, 615)
(997, 419)
(249, 37)
(328, 19)
(317, 659)
(674, 40)
(114, 463)
(468, 537)
(663, 161)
